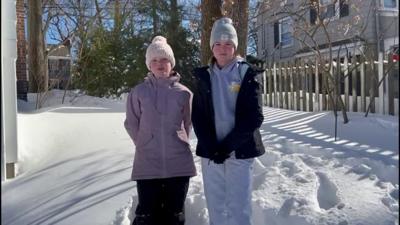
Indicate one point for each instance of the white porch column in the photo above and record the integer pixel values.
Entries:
(9, 153)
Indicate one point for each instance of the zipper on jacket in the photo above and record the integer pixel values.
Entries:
(209, 94)
(163, 158)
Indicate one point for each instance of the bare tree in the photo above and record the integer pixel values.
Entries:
(252, 37)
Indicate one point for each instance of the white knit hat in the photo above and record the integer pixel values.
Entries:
(159, 48)
(223, 30)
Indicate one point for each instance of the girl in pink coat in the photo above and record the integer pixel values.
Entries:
(158, 119)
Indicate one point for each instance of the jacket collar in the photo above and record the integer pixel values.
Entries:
(228, 66)
(169, 81)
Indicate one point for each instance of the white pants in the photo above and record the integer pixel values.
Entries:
(227, 189)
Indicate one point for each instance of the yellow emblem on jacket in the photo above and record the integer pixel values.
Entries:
(235, 87)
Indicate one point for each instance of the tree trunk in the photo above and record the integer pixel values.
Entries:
(210, 11)
(174, 20)
(173, 27)
(98, 13)
(117, 17)
(154, 15)
(238, 11)
(36, 49)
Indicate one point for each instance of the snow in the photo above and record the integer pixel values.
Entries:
(76, 159)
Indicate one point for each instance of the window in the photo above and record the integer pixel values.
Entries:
(286, 32)
(390, 4)
(329, 9)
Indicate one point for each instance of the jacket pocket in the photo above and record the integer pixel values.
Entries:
(182, 137)
(143, 139)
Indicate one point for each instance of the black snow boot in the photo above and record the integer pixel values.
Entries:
(142, 220)
(178, 219)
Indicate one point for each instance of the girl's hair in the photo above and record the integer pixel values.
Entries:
(213, 60)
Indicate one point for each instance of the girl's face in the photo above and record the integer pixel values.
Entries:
(160, 67)
(224, 52)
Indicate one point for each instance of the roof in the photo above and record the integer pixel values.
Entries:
(61, 50)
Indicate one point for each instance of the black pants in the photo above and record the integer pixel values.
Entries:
(161, 201)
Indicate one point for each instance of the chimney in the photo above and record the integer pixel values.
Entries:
(22, 77)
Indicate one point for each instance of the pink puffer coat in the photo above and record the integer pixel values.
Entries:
(158, 121)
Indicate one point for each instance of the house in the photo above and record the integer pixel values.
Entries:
(350, 21)
(59, 65)
(294, 30)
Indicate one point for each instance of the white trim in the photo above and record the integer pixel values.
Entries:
(59, 57)
(54, 57)
(389, 12)
(359, 48)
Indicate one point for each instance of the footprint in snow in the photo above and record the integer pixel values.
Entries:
(327, 192)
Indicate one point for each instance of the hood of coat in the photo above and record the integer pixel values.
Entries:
(169, 81)
(213, 63)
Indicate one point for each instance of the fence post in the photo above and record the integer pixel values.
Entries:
(332, 72)
(392, 82)
(275, 87)
(354, 82)
(281, 85)
(373, 83)
(290, 65)
(381, 98)
(286, 84)
(323, 86)
(303, 86)
(362, 85)
(310, 86)
(264, 79)
(297, 84)
(346, 82)
(270, 74)
(317, 107)
(280, 81)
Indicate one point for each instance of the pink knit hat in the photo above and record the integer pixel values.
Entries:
(159, 48)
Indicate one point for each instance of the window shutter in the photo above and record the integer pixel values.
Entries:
(313, 15)
(276, 34)
(344, 8)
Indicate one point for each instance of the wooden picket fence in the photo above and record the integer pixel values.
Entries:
(300, 85)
